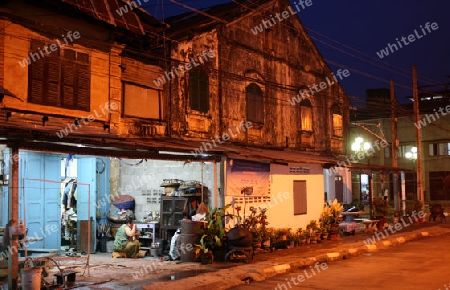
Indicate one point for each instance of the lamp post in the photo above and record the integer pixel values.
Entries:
(412, 155)
(360, 147)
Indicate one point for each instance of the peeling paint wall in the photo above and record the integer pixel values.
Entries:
(281, 61)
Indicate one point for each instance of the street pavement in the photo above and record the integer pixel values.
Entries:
(150, 273)
(420, 264)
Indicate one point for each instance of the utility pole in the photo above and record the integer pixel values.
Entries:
(420, 193)
(394, 145)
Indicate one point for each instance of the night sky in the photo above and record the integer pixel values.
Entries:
(368, 27)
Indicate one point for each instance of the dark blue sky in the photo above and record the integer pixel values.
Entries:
(368, 26)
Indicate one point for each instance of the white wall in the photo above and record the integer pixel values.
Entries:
(280, 201)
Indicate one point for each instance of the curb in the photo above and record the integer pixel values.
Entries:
(349, 252)
(244, 274)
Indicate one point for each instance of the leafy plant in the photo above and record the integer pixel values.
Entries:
(214, 233)
(256, 222)
(381, 207)
(413, 205)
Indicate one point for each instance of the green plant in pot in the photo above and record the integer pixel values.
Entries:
(214, 234)
(381, 211)
(413, 207)
(202, 252)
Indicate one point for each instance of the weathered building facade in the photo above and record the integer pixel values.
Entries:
(265, 78)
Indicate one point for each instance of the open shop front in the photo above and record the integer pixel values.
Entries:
(70, 203)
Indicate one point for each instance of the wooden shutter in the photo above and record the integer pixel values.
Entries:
(83, 85)
(36, 75)
(300, 197)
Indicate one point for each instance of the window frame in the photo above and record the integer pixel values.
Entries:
(336, 110)
(160, 100)
(198, 101)
(59, 72)
(254, 100)
(300, 198)
(306, 104)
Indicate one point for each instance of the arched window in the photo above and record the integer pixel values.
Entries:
(255, 104)
(337, 121)
(199, 90)
(306, 116)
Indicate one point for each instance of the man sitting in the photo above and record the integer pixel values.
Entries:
(125, 242)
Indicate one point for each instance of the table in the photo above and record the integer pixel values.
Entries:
(349, 227)
(152, 226)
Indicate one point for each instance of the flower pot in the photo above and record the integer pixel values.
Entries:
(308, 241)
(266, 244)
(240, 237)
(207, 258)
(219, 254)
(256, 245)
(334, 232)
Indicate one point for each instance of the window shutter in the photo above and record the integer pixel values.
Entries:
(83, 84)
(52, 79)
(68, 84)
(199, 90)
(300, 198)
(36, 75)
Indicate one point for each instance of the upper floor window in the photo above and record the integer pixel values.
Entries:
(255, 104)
(199, 90)
(61, 78)
(306, 115)
(337, 121)
(142, 102)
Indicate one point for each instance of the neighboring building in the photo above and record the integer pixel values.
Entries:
(232, 75)
(73, 77)
(433, 124)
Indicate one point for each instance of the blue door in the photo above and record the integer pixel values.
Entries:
(86, 201)
(40, 188)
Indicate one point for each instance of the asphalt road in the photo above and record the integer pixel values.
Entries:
(420, 264)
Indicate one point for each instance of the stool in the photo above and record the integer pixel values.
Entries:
(119, 255)
(70, 274)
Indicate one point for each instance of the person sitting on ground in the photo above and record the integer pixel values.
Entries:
(125, 241)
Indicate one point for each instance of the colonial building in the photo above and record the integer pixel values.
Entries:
(236, 64)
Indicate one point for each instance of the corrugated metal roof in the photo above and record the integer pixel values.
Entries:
(134, 19)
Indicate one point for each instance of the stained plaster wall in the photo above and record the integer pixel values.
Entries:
(143, 181)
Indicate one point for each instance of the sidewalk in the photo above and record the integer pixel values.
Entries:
(282, 261)
(150, 273)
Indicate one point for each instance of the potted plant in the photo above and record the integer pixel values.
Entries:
(202, 252)
(214, 233)
(307, 236)
(324, 234)
(413, 205)
(332, 212)
(381, 210)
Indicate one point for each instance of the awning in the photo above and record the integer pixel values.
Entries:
(367, 168)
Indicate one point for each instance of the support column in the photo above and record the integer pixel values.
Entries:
(13, 196)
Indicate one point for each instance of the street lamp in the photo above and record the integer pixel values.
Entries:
(360, 146)
(412, 155)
